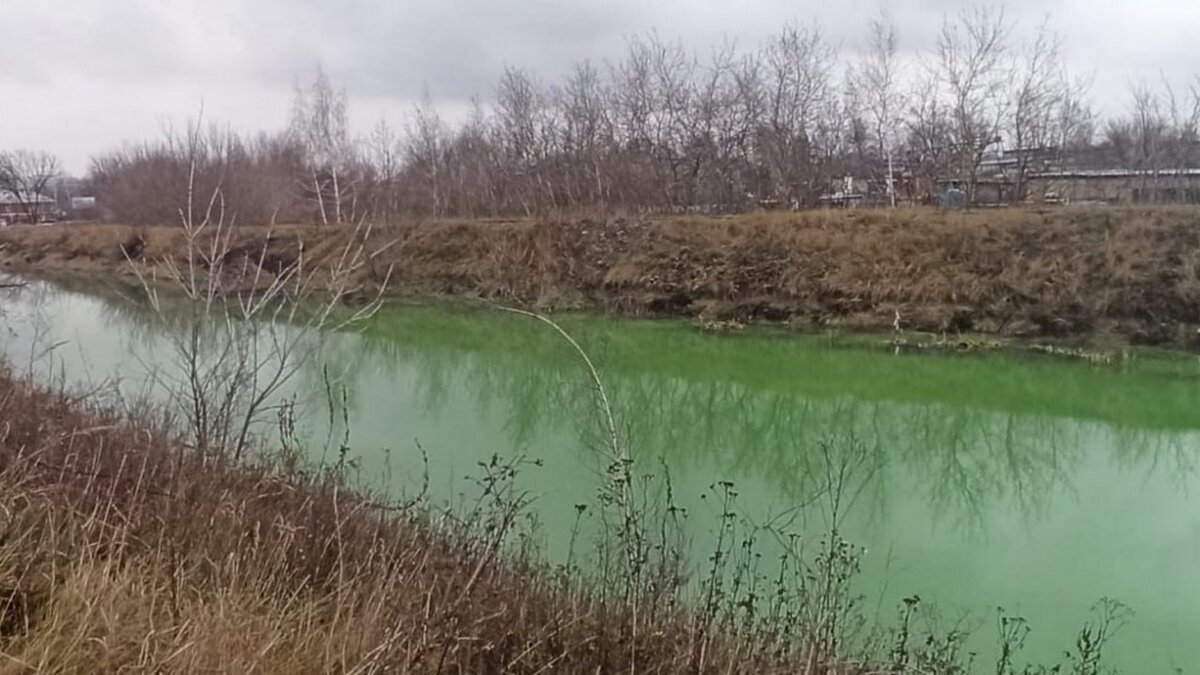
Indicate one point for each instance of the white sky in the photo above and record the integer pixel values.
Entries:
(81, 76)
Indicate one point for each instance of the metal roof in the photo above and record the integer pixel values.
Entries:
(1117, 173)
(10, 198)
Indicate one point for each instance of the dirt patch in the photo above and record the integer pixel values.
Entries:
(1129, 272)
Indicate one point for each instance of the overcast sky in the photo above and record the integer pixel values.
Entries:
(80, 76)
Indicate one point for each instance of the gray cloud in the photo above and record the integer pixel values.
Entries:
(77, 76)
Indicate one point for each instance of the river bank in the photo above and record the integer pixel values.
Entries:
(1114, 275)
(126, 550)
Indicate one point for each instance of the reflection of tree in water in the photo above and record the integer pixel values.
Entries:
(123, 321)
(1150, 452)
(971, 461)
(530, 394)
(967, 435)
(965, 460)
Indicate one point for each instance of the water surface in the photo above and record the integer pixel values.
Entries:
(1032, 483)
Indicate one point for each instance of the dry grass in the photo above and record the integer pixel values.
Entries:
(1131, 272)
(124, 551)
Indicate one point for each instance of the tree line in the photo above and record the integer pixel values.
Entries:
(663, 129)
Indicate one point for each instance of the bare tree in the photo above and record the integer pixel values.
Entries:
(424, 150)
(972, 51)
(319, 122)
(726, 109)
(673, 71)
(1159, 133)
(750, 108)
(929, 138)
(24, 175)
(525, 133)
(473, 165)
(386, 157)
(661, 129)
(587, 134)
(1183, 111)
(144, 183)
(799, 66)
(876, 83)
(1075, 121)
(1040, 89)
(1150, 126)
(632, 106)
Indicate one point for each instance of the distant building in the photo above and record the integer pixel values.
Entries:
(846, 192)
(83, 208)
(990, 190)
(1116, 186)
(26, 209)
(1047, 176)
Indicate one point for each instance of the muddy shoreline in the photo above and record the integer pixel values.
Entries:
(1100, 275)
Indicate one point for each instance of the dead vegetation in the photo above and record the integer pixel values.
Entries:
(127, 550)
(124, 550)
(1128, 272)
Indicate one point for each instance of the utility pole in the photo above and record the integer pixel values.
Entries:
(891, 180)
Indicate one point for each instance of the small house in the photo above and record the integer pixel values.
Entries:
(26, 208)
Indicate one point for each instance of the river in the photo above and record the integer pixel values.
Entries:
(1035, 483)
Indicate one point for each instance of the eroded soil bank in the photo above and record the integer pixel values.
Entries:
(1129, 274)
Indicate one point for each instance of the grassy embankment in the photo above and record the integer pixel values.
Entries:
(126, 551)
(1130, 274)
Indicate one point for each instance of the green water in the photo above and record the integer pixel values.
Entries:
(1032, 483)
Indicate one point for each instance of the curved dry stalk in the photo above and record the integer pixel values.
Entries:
(617, 449)
(620, 476)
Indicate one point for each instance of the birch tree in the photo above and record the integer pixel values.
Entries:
(320, 123)
(876, 82)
